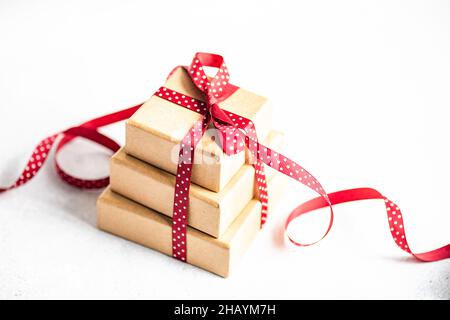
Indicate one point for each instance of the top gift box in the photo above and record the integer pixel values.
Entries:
(154, 132)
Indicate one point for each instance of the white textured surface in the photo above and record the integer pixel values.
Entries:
(367, 82)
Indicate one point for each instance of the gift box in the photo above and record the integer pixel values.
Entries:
(154, 132)
(209, 211)
(135, 222)
(184, 190)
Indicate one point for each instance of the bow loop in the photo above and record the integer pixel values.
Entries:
(215, 90)
(215, 87)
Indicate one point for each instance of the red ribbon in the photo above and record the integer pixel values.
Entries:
(235, 133)
(87, 130)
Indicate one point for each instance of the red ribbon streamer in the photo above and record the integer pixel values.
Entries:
(87, 130)
(235, 133)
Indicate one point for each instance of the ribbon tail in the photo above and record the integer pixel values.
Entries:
(89, 131)
(298, 173)
(434, 255)
(394, 216)
(35, 162)
(86, 130)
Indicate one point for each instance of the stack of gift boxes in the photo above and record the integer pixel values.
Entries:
(224, 213)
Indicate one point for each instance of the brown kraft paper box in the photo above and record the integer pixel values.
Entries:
(209, 211)
(154, 132)
(130, 220)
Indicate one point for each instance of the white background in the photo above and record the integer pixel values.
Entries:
(361, 89)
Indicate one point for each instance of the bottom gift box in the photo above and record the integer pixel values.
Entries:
(133, 221)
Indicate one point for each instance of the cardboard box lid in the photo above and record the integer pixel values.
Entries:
(171, 122)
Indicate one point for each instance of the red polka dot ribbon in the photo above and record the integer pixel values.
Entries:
(236, 133)
(87, 130)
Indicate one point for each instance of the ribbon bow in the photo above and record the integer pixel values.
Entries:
(235, 133)
(215, 90)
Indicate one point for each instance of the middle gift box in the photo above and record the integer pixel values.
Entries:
(210, 212)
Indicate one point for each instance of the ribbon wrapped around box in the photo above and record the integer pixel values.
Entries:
(209, 211)
(154, 132)
(237, 134)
